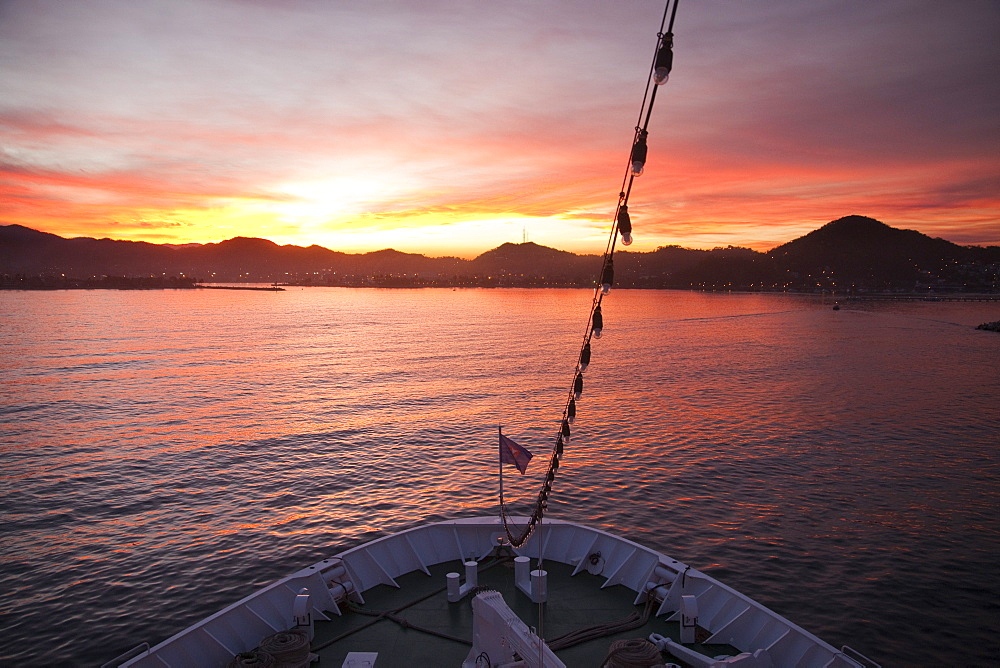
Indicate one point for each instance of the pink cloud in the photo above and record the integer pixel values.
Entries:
(776, 119)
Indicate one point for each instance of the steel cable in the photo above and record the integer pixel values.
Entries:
(519, 536)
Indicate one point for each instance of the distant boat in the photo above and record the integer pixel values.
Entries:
(836, 306)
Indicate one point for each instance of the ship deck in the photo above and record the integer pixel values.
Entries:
(392, 597)
(574, 603)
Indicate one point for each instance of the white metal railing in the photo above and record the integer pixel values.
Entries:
(125, 656)
(858, 656)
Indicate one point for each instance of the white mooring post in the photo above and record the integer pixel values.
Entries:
(456, 590)
(302, 613)
(689, 618)
(532, 582)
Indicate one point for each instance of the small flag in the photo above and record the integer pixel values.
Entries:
(512, 453)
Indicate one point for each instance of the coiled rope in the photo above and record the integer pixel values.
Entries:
(288, 648)
(632, 653)
(253, 659)
(622, 225)
(634, 620)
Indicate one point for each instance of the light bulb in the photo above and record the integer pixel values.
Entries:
(625, 225)
(639, 150)
(607, 278)
(664, 60)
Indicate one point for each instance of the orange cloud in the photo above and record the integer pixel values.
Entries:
(458, 138)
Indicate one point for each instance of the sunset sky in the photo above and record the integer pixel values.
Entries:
(447, 127)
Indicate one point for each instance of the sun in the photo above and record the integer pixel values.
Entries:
(311, 203)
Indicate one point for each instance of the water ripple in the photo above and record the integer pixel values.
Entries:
(165, 454)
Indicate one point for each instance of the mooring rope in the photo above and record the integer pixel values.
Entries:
(632, 653)
(633, 621)
(621, 226)
(394, 616)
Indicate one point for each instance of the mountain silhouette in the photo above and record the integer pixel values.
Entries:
(861, 251)
(854, 253)
(531, 259)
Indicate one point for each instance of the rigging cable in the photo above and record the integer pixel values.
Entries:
(659, 72)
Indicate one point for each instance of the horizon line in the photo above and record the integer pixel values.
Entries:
(512, 243)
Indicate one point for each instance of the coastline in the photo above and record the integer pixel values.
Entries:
(126, 283)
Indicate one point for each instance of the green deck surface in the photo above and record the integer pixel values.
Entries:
(574, 602)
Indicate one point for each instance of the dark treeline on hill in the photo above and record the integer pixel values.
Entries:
(852, 254)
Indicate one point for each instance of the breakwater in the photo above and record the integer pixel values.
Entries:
(924, 298)
(266, 288)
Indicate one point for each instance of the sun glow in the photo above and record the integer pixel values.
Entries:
(310, 203)
(111, 129)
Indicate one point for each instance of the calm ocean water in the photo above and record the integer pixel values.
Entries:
(165, 453)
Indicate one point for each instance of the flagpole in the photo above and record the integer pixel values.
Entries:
(500, 465)
(541, 605)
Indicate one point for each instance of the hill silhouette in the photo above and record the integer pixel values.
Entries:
(854, 253)
(863, 251)
(532, 261)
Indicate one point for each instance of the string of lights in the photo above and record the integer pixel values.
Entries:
(622, 226)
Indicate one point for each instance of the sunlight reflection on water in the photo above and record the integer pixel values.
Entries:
(164, 453)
